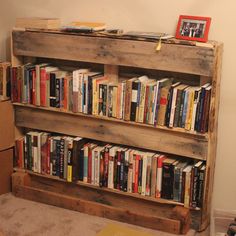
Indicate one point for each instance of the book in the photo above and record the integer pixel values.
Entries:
(87, 27)
(38, 23)
(168, 178)
(148, 35)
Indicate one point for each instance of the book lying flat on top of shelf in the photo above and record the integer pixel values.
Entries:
(78, 26)
(148, 35)
(38, 23)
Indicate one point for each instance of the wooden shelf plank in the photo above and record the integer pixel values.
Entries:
(171, 57)
(112, 131)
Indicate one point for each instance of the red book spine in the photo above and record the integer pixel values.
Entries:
(137, 159)
(43, 78)
(89, 165)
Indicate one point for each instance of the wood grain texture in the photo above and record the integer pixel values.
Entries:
(172, 57)
(122, 213)
(212, 132)
(111, 131)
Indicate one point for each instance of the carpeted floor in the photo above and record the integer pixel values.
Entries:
(19, 217)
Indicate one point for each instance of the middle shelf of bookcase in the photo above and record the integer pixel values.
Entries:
(162, 139)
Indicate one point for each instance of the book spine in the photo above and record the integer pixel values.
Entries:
(195, 180)
(163, 106)
(58, 85)
(75, 92)
(101, 168)
(137, 158)
(200, 188)
(144, 175)
(89, 164)
(130, 175)
(81, 164)
(206, 108)
(133, 101)
(85, 174)
(69, 161)
(187, 189)
(176, 184)
(167, 181)
(128, 96)
(61, 163)
(122, 163)
(153, 176)
(65, 164)
(111, 172)
(106, 167)
(177, 108)
(126, 171)
(43, 78)
(173, 106)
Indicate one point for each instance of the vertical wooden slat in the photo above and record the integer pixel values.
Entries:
(212, 143)
(111, 71)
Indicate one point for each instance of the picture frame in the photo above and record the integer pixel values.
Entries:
(194, 28)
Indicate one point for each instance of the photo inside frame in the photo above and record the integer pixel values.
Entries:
(192, 28)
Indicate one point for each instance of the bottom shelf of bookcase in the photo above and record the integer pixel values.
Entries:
(95, 201)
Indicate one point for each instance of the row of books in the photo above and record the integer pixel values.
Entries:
(113, 166)
(139, 99)
(5, 91)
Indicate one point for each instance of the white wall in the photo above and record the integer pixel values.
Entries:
(156, 15)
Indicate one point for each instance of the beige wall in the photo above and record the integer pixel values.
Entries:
(156, 15)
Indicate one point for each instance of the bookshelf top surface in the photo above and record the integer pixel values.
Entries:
(175, 55)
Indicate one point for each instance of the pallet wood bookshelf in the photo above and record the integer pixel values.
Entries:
(199, 63)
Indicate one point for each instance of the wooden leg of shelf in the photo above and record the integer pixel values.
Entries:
(182, 214)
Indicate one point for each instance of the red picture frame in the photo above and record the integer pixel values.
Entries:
(193, 28)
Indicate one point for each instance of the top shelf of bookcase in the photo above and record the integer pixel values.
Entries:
(175, 57)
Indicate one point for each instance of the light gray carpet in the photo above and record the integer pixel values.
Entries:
(19, 217)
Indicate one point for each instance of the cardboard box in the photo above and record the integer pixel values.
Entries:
(6, 164)
(6, 125)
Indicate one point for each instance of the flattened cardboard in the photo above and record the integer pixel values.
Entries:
(6, 125)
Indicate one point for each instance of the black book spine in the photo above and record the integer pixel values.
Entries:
(61, 95)
(177, 109)
(194, 187)
(81, 164)
(167, 181)
(118, 169)
(54, 158)
(52, 94)
(200, 188)
(61, 164)
(115, 169)
(176, 184)
(104, 99)
(57, 93)
(90, 95)
(180, 124)
(125, 181)
(140, 174)
(122, 160)
(134, 100)
(69, 163)
(100, 100)
(29, 152)
(77, 146)
(200, 111)
(168, 109)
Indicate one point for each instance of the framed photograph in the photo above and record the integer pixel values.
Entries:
(193, 28)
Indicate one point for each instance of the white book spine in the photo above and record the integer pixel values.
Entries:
(144, 175)
(155, 102)
(173, 105)
(159, 180)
